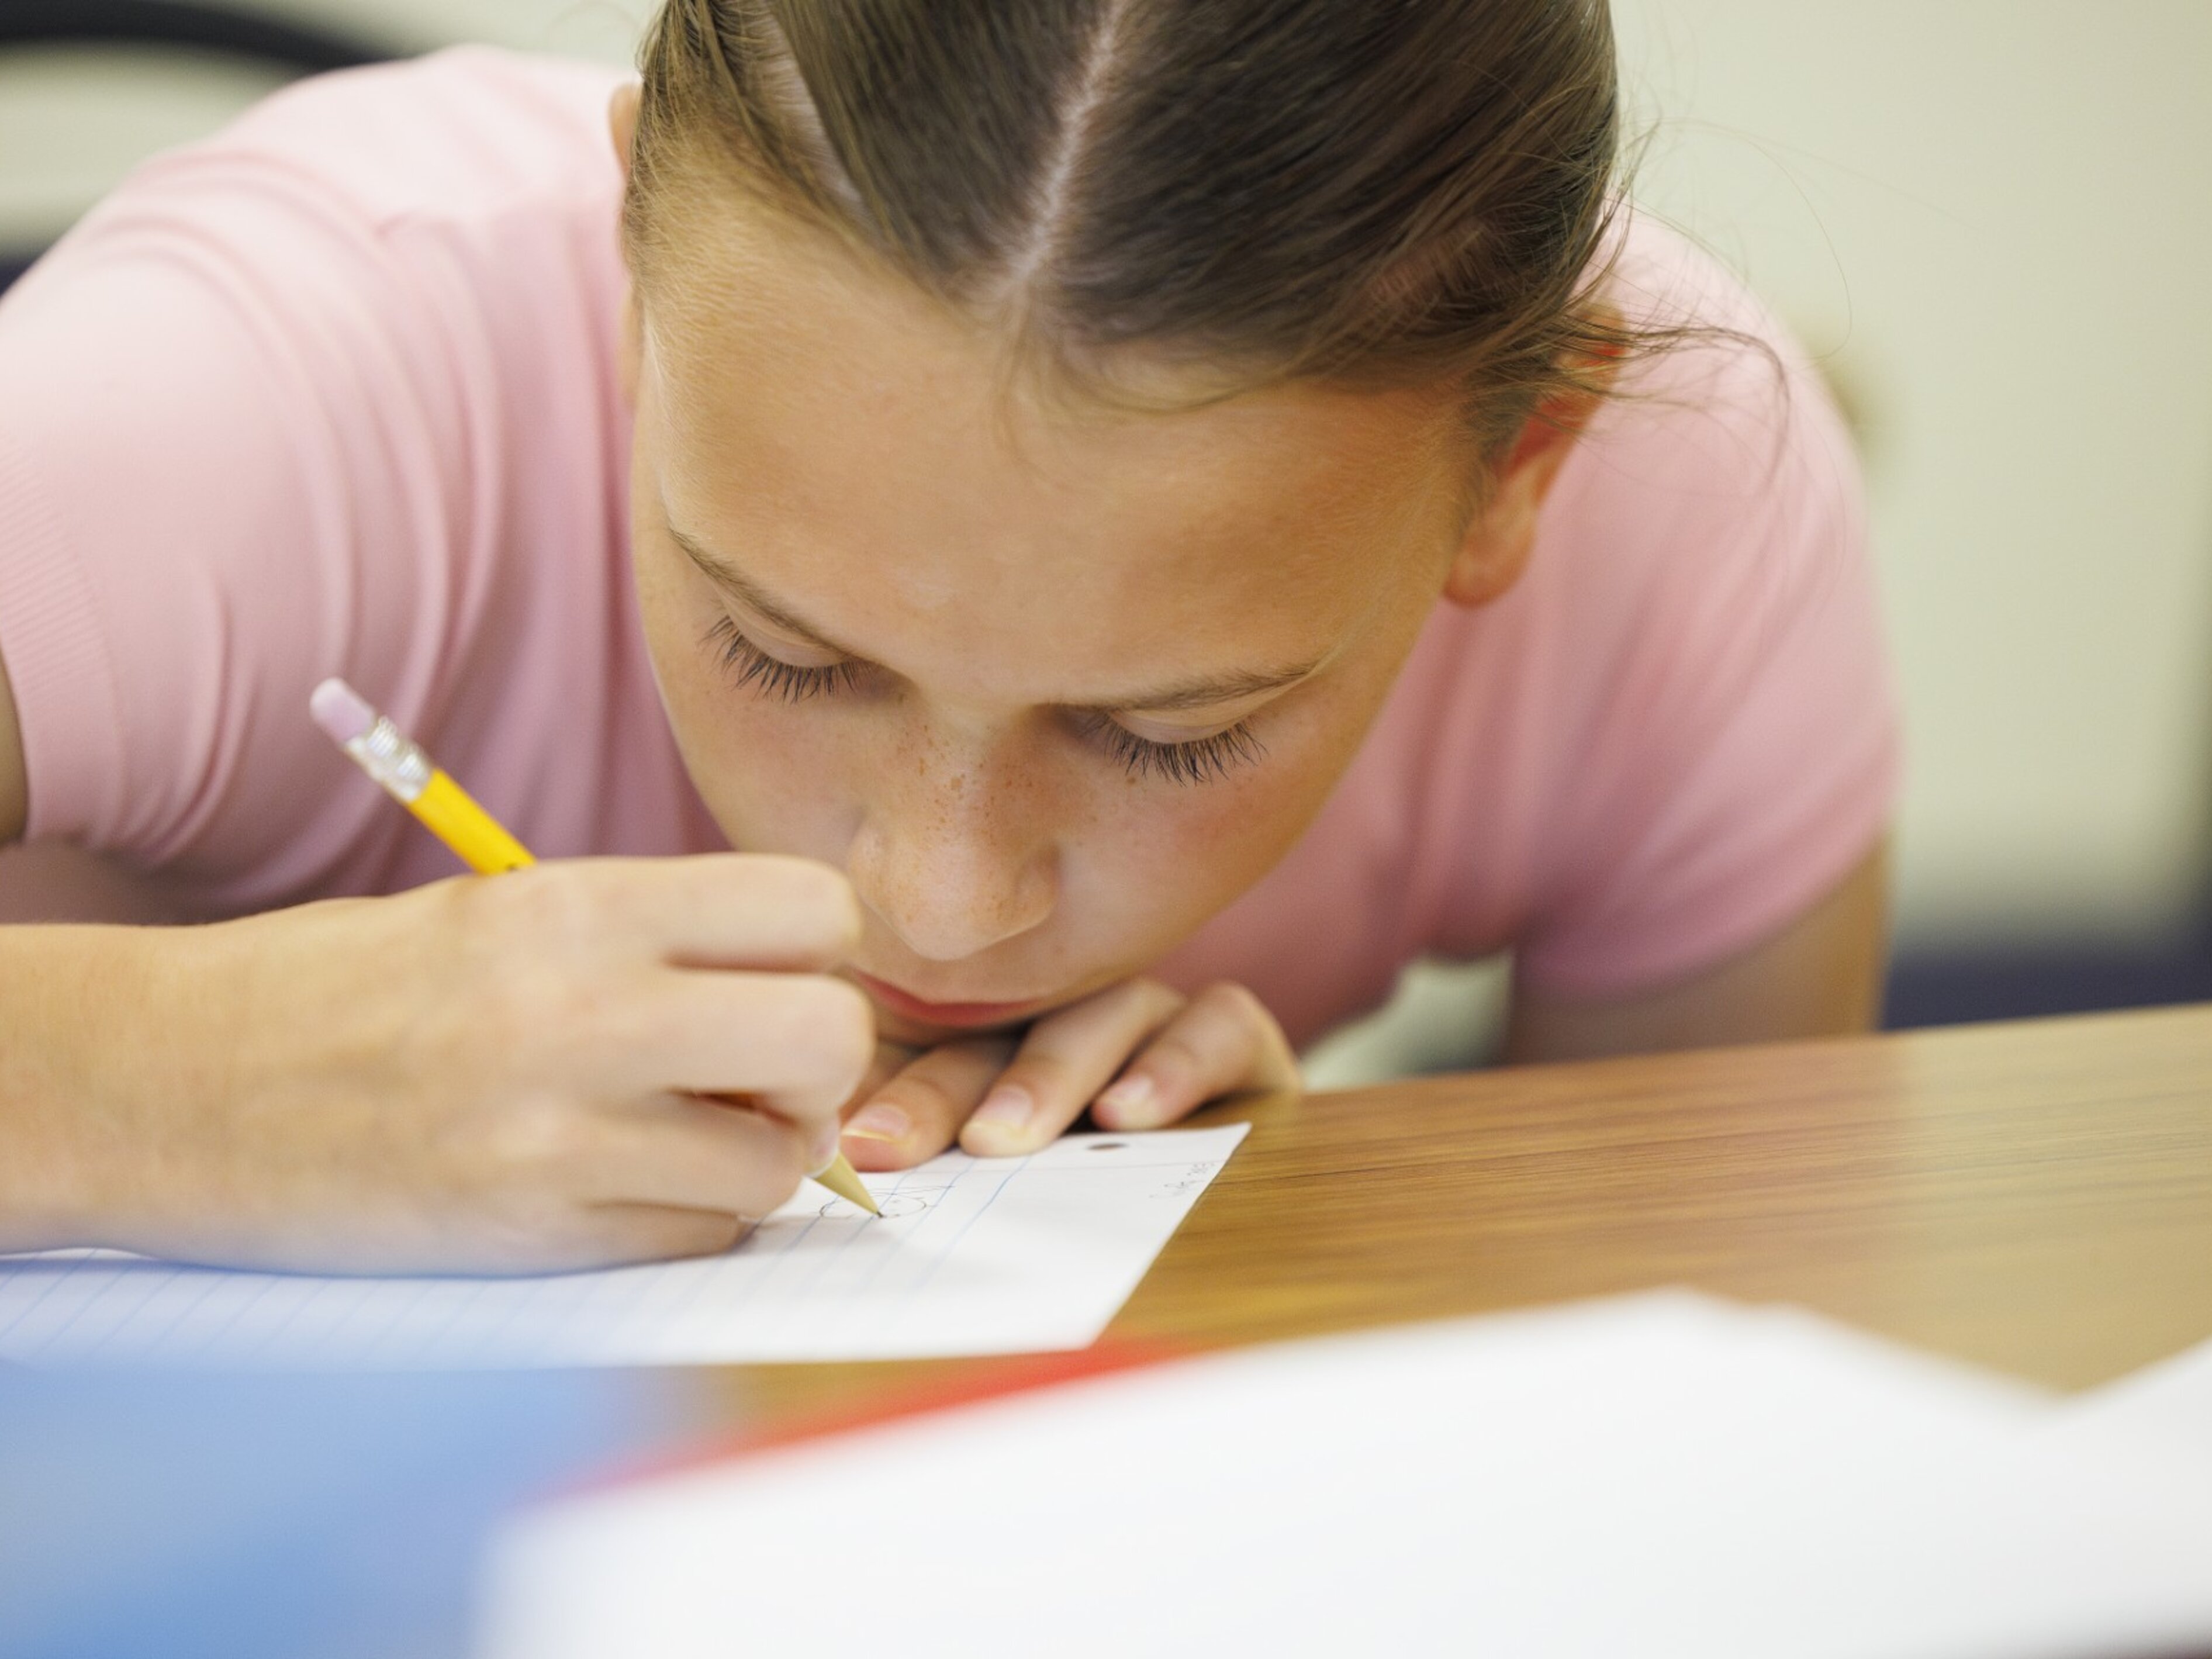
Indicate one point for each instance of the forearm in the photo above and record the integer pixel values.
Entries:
(15, 792)
(1822, 975)
(76, 1021)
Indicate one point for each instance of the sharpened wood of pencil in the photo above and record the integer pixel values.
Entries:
(406, 773)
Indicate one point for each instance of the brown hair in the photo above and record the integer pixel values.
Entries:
(1385, 190)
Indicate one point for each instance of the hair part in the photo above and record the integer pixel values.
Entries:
(1372, 192)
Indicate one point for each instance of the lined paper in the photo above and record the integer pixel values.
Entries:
(972, 1256)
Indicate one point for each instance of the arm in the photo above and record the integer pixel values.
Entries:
(1822, 975)
(369, 1084)
(14, 800)
(527, 1072)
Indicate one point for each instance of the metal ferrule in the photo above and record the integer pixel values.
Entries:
(393, 759)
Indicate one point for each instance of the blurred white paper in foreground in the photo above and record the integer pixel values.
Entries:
(1656, 1475)
(2163, 1411)
(971, 1256)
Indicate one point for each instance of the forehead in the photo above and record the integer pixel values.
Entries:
(875, 460)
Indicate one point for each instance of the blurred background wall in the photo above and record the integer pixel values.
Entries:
(1985, 216)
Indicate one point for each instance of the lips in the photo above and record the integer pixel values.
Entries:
(949, 1014)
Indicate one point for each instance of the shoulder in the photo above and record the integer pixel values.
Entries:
(1690, 672)
(463, 133)
(356, 356)
(1719, 488)
(461, 206)
(1725, 417)
(484, 162)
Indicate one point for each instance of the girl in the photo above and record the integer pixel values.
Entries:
(1136, 517)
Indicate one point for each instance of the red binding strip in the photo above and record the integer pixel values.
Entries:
(987, 1380)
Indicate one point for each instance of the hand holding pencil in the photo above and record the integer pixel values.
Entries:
(575, 1064)
(403, 770)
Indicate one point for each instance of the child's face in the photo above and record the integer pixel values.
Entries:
(919, 623)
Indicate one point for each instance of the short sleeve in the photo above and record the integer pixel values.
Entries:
(1738, 755)
(335, 393)
(222, 477)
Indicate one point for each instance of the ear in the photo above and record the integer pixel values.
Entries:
(622, 122)
(1496, 549)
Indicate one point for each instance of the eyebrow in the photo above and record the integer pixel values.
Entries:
(744, 587)
(1197, 693)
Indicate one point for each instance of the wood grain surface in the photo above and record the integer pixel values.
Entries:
(2033, 1197)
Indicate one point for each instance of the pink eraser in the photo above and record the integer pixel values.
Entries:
(340, 711)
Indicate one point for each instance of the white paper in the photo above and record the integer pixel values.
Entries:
(2164, 1410)
(1662, 1475)
(972, 1256)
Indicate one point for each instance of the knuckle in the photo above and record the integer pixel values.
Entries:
(1042, 1074)
(1176, 1055)
(1235, 998)
(563, 908)
(924, 1098)
(534, 1139)
(1238, 1002)
(1141, 997)
(1162, 1002)
(948, 1082)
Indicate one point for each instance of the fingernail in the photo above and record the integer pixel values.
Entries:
(1005, 1107)
(879, 1120)
(1129, 1102)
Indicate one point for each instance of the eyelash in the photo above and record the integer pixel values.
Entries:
(752, 667)
(1199, 760)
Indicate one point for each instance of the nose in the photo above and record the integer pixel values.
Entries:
(953, 856)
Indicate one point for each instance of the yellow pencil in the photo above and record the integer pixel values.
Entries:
(410, 777)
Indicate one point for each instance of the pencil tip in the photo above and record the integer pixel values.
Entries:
(841, 1178)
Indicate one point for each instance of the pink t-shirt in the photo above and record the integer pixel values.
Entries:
(336, 393)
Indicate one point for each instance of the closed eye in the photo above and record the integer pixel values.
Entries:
(1193, 760)
(788, 682)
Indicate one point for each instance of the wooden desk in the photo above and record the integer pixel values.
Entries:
(2036, 1197)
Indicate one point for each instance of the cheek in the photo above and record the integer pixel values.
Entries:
(766, 770)
(1181, 853)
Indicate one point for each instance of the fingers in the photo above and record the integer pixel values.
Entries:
(891, 1058)
(702, 1156)
(914, 1113)
(1224, 1043)
(798, 1043)
(1066, 1059)
(716, 910)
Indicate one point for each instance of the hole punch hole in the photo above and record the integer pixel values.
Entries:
(1109, 1147)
